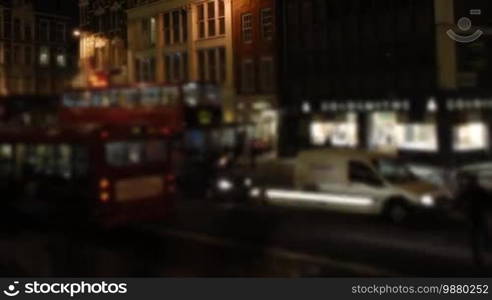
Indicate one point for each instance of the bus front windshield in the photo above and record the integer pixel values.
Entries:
(394, 171)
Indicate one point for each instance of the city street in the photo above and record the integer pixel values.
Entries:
(213, 239)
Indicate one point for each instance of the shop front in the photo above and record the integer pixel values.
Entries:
(430, 130)
(339, 131)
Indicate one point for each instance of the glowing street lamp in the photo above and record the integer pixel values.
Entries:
(77, 33)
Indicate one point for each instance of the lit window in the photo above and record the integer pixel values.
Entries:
(44, 56)
(470, 137)
(61, 60)
(149, 30)
(417, 137)
(152, 31)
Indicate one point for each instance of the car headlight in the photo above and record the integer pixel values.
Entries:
(225, 185)
(427, 201)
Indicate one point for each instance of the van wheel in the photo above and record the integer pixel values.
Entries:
(397, 211)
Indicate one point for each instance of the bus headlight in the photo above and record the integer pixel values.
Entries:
(224, 185)
(427, 201)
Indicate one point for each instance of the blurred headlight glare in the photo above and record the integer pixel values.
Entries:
(225, 185)
(427, 201)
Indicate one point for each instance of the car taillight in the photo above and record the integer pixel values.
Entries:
(104, 193)
(104, 184)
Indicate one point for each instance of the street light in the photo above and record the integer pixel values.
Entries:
(76, 33)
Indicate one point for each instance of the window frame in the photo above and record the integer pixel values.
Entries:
(205, 22)
(267, 77)
(264, 25)
(247, 34)
(218, 69)
(248, 76)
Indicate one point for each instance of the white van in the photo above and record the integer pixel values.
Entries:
(357, 182)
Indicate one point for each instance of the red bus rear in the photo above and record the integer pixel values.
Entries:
(108, 175)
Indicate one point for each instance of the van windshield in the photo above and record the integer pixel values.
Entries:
(394, 171)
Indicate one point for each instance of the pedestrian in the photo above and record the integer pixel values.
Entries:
(475, 201)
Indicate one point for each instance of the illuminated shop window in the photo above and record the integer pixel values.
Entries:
(417, 137)
(336, 133)
(383, 133)
(472, 136)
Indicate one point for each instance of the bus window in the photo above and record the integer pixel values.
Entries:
(58, 160)
(130, 97)
(135, 153)
(116, 154)
(120, 154)
(150, 97)
(115, 98)
(97, 99)
(170, 96)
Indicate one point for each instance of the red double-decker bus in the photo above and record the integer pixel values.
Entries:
(108, 160)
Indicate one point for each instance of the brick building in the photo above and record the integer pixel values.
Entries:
(255, 57)
(37, 52)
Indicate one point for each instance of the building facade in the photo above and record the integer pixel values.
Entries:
(102, 43)
(386, 76)
(37, 52)
(181, 41)
(255, 74)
